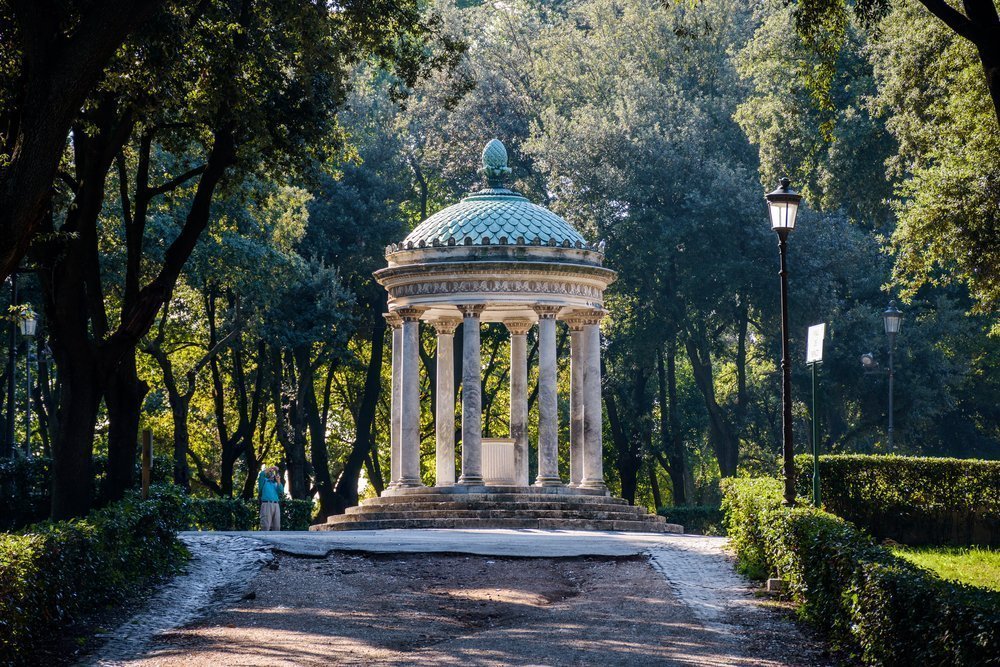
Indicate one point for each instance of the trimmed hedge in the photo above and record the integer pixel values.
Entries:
(239, 514)
(53, 573)
(878, 606)
(696, 519)
(26, 485)
(912, 500)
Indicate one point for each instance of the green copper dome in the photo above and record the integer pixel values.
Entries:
(494, 216)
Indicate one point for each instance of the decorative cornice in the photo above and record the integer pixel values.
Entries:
(446, 325)
(473, 269)
(518, 327)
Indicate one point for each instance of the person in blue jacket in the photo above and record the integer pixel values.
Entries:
(270, 490)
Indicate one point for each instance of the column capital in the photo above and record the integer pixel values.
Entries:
(409, 314)
(471, 309)
(547, 312)
(393, 319)
(581, 318)
(446, 325)
(518, 327)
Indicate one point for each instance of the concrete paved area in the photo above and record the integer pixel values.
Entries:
(524, 543)
(205, 617)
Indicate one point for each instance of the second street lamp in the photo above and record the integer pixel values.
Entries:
(893, 319)
(783, 206)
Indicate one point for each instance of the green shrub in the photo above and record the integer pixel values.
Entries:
(25, 486)
(239, 514)
(54, 572)
(912, 500)
(869, 601)
(696, 519)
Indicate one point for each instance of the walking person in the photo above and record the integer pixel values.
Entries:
(270, 490)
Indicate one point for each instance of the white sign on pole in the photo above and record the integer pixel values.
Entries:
(814, 349)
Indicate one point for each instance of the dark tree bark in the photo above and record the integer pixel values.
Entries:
(123, 398)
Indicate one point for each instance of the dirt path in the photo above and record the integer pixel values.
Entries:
(433, 609)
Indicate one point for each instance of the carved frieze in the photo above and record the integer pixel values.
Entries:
(496, 286)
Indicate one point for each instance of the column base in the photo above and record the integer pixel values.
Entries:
(407, 484)
(548, 481)
(470, 480)
(595, 484)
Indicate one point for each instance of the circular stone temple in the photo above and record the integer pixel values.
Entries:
(496, 257)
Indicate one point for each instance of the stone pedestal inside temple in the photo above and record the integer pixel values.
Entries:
(497, 257)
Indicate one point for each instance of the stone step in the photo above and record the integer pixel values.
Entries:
(492, 505)
(460, 490)
(512, 513)
(544, 524)
(495, 497)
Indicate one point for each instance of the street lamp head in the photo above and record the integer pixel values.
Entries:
(28, 323)
(868, 361)
(783, 205)
(893, 319)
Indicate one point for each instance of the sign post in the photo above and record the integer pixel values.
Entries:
(814, 357)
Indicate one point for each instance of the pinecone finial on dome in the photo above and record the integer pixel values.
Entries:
(495, 163)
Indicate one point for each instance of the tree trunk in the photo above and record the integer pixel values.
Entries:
(317, 434)
(72, 448)
(123, 397)
(346, 494)
(60, 71)
(654, 485)
(724, 440)
(670, 437)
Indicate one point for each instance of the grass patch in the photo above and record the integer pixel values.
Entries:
(967, 565)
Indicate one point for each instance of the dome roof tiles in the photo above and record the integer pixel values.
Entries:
(494, 213)
(493, 216)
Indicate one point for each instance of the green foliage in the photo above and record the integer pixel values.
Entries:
(53, 573)
(238, 514)
(909, 499)
(26, 485)
(696, 519)
(870, 602)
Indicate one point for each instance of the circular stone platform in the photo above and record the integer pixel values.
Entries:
(498, 507)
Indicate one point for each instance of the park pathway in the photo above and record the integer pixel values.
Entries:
(469, 597)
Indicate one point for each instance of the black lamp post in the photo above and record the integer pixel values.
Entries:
(29, 323)
(893, 319)
(783, 205)
(8, 445)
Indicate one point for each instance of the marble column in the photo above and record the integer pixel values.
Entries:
(593, 421)
(548, 402)
(444, 420)
(409, 441)
(472, 399)
(396, 322)
(519, 397)
(577, 362)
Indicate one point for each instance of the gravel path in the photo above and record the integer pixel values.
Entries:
(639, 600)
